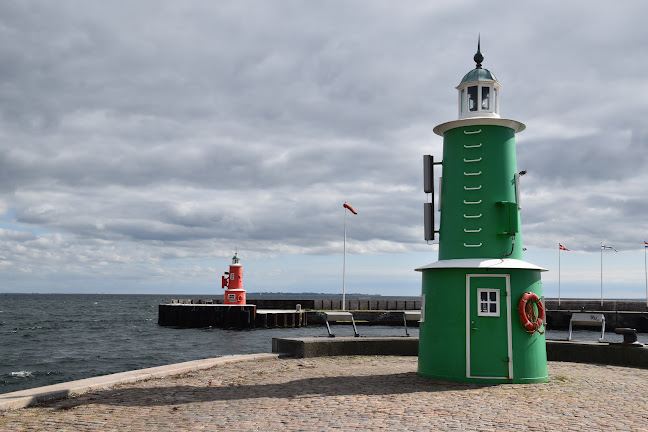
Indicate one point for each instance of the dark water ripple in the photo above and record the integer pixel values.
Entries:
(48, 339)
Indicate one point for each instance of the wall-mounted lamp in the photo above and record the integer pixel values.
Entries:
(517, 187)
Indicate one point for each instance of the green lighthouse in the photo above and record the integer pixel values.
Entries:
(481, 315)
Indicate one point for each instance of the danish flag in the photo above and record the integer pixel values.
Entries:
(561, 247)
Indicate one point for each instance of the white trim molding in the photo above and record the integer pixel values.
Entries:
(487, 263)
(479, 121)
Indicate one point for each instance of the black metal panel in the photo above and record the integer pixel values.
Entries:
(428, 221)
(428, 174)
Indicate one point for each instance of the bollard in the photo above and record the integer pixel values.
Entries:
(629, 335)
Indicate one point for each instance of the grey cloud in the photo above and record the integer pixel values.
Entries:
(607, 155)
(181, 129)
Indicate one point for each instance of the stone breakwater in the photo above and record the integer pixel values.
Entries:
(350, 393)
(377, 310)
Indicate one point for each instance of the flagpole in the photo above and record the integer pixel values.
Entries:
(646, 271)
(344, 266)
(601, 273)
(558, 274)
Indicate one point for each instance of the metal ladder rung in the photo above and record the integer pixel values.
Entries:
(472, 202)
(477, 245)
(472, 217)
(472, 188)
(471, 174)
(472, 160)
(473, 132)
(472, 231)
(473, 146)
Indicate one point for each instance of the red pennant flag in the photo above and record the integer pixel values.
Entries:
(347, 206)
(561, 247)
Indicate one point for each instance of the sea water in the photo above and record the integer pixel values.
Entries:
(51, 338)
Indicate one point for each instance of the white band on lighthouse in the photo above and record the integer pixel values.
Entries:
(512, 124)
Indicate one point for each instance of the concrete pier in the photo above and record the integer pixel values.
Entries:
(281, 312)
(203, 315)
(368, 303)
(568, 351)
(618, 313)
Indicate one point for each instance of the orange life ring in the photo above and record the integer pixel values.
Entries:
(530, 323)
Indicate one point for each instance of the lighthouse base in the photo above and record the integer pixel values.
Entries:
(486, 380)
(470, 329)
(234, 297)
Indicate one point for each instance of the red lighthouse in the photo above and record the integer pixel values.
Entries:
(233, 282)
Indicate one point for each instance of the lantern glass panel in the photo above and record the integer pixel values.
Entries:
(472, 98)
(485, 98)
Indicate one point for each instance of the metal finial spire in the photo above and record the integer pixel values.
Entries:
(479, 58)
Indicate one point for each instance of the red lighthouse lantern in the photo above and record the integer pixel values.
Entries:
(233, 283)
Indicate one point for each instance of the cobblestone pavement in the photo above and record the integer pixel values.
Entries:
(350, 393)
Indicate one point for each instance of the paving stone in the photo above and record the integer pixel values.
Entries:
(347, 394)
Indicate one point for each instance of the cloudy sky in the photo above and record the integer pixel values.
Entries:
(142, 143)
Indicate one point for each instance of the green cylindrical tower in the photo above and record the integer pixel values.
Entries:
(470, 328)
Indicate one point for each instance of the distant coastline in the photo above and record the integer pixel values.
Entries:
(300, 295)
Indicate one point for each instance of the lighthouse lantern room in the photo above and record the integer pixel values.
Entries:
(478, 91)
(482, 313)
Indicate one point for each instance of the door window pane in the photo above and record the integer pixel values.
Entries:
(488, 302)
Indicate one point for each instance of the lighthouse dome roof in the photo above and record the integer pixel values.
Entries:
(478, 74)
